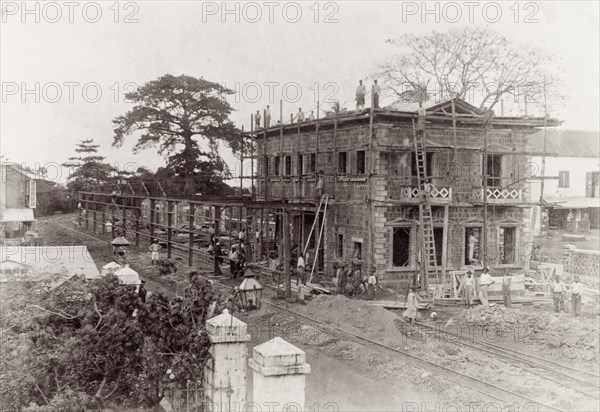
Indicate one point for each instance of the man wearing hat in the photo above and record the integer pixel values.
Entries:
(576, 289)
(468, 284)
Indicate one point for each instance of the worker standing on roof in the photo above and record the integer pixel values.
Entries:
(311, 117)
(376, 93)
(421, 113)
(361, 90)
(300, 115)
(267, 117)
(257, 120)
(485, 280)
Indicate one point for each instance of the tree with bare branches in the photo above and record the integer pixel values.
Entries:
(474, 64)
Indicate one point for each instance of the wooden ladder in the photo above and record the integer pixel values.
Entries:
(428, 254)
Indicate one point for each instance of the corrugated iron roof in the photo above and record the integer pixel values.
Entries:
(566, 143)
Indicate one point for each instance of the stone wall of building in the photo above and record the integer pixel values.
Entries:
(581, 261)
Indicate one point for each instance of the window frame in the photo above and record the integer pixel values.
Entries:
(564, 179)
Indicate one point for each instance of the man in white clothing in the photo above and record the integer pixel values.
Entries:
(485, 280)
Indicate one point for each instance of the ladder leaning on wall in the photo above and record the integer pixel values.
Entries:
(429, 266)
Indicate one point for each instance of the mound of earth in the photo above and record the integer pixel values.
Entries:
(357, 316)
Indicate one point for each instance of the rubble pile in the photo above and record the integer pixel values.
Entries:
(562, 336)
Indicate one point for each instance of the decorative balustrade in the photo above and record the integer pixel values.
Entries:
(499, 194)
(440, 193)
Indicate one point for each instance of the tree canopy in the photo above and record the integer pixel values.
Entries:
(88, 170)
(474, 64)
(186, 119)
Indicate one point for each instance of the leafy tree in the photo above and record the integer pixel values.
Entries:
(53, 197)
(89, 170)
(185, 118)
(79, 346)
(458, 62)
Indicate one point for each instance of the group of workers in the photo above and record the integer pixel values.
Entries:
(361, 92)
(352, 282)
(558, 288)
(559, 294)
(237, 255)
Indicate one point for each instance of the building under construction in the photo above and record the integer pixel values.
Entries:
(404, 203)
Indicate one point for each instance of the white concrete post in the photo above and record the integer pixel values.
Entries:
(225, 373)
(279, 377)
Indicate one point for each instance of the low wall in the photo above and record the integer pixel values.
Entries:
(581, 261)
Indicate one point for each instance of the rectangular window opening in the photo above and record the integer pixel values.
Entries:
(401, 247)
(360, 162)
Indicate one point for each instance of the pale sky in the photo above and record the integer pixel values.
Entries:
(75, 54)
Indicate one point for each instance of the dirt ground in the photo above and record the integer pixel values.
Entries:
(552, 336)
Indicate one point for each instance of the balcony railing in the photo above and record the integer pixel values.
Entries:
(437, 193)
(499, 194)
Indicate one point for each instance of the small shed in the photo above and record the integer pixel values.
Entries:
(128, 276)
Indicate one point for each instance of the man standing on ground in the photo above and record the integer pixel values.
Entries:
(485, 280)
(506, 282)
(376, 92)
(155, 250)
(142, 292)
(218, 259)
(576, 289)
(371, 284)
(301, 266)
(412, 306)
(468, 284)
(558, 294)
(342, 279)
(233, 257)
(361, 90)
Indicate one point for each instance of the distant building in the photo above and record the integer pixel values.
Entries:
(17, 201)
(572, 183)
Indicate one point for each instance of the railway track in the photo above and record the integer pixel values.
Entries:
(583, 382)
(493, 391)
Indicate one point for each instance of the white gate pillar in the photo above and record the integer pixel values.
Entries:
(279, 377)
(225, 372)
